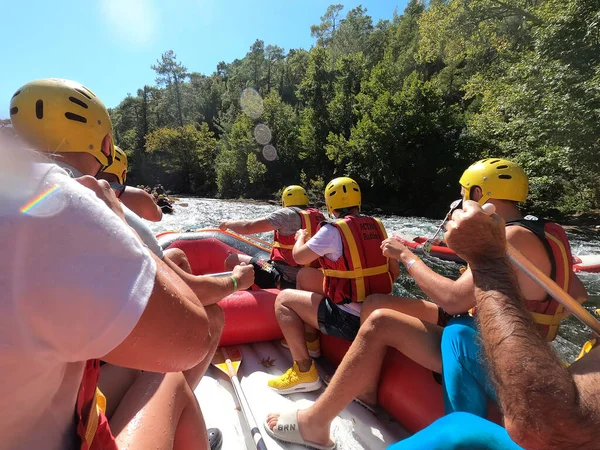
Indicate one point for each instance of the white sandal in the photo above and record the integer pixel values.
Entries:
(287, 430)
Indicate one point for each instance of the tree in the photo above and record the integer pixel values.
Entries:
(325, 31)
(171, 74)
(187, 153)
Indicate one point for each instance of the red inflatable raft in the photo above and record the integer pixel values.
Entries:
(407, 391)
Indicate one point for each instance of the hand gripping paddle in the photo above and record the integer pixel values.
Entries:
(453, 206)
(228, 360)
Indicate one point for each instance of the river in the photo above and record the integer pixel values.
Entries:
(201, 213)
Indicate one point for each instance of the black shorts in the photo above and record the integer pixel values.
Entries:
(334, 321)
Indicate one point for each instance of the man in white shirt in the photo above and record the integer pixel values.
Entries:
(68, 121)
(73, 292)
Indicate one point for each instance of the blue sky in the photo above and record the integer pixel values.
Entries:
(109, 45)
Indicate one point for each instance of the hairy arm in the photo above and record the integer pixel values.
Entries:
(247, 226)
(540, 398)
(141, 203)
(544, 406)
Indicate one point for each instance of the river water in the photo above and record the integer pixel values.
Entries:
(202, 213)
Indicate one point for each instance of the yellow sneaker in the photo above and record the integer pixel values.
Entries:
(295, 381)
(314, 347)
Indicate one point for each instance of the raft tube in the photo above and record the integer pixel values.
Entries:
(407, 391)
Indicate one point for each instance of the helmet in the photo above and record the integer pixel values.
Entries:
(342, 193)
(498, 178)
(294, 196)
(62, 116)
(119, 165)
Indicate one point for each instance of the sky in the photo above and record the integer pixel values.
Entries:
(109, 45)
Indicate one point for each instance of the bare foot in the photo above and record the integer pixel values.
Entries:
(310, 430)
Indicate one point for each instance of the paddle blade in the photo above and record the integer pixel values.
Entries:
(227, 360)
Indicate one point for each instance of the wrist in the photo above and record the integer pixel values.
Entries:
(406, 255)
(235, 283)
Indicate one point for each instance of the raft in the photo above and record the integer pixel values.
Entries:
(409, 395)
(581, 263)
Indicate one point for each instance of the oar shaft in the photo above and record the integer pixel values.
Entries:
(552, 288)
(254, 430)
(218, 275)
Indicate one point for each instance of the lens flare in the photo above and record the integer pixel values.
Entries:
(269, 153)
(262, 134)
(252, 103)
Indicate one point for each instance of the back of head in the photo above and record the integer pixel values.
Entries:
(62, 116)
(342, 194)
(498, 179)
(294, 196)
(119, 166)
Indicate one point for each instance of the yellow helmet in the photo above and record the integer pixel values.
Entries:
(62, 116)
(498, 179)
(342, 193)
(294, 196)
(119, 165)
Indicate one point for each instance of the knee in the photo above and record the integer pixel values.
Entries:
(231, 261)
(216, 318)
(456, 338)
(370, 304)
(377, 321)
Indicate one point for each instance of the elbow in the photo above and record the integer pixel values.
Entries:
(155, 215)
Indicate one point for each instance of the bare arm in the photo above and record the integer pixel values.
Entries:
(301, 252)
(211, 290)
(454, 297)
(543, 405)
(247, 226)
(172, 333)
(141, 203)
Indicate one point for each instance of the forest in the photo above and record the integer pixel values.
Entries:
(403, 106)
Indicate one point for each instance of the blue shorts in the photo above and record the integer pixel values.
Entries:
(336, 321)
(459, 431)
(466, 382)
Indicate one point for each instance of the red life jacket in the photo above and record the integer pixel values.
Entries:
(547, 313)
(92, 424)
(362, 269)
(283, 245)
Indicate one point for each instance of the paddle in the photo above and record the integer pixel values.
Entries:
(546, 283)
(228, 360)
(429, 243)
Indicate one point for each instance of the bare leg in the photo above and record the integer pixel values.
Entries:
(294, 309)
(179, 259)
(114, 382)
(160, 412)
(361, 366)
(235, 259)
(216, 321)
(421, 309)
(311, 280)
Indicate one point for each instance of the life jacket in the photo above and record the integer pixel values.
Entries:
(548, 312)
(362, 269)
(283, 245)
(92, 424)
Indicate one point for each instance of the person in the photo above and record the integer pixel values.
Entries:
(329, 300)
(138, 200)
(545, 405)
(414, 327)
(280, 271)
(72, 294)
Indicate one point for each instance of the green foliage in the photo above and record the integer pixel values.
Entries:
(404, 106)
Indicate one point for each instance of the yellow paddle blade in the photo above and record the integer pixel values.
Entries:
(227, 360)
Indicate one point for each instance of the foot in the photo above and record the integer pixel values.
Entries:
(296, 381)
(311, 430)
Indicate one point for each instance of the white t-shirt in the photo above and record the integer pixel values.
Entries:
(74, 281)
(327, 242)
